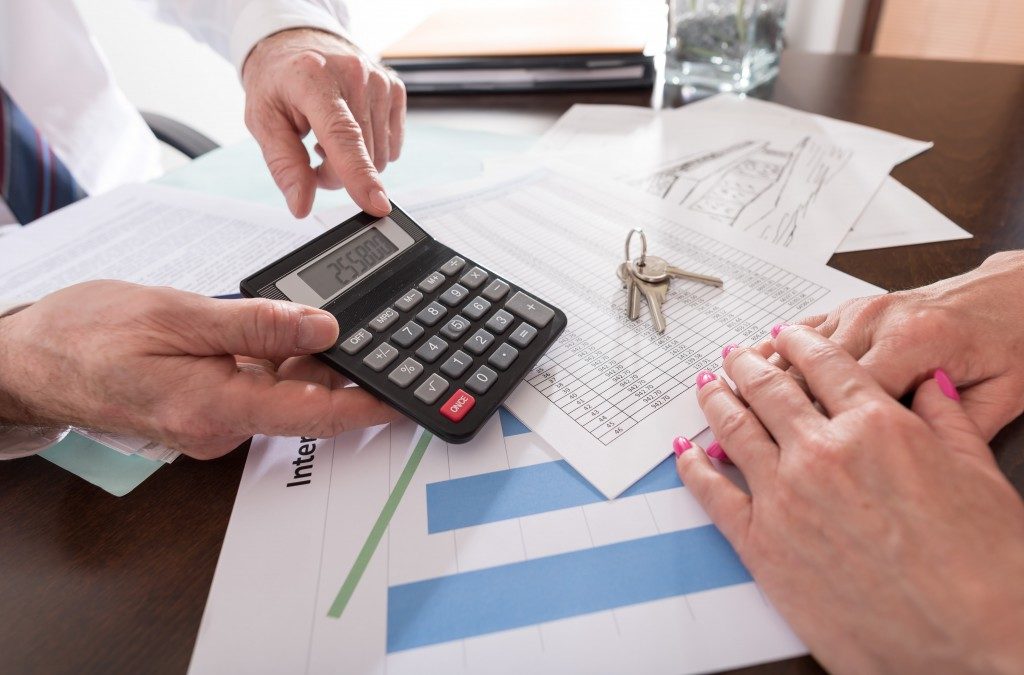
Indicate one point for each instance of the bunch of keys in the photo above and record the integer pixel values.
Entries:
(650, 276)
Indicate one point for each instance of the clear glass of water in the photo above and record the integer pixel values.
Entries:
(724, 45)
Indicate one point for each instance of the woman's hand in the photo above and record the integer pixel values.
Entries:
(887, 537)
(972, 326)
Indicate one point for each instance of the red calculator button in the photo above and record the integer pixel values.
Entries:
(457, 406)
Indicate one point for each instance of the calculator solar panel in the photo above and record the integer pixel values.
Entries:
(426, 329)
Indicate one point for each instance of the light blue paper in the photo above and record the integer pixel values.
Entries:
(116, 473)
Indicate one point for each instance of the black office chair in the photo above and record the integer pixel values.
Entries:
(181, 137)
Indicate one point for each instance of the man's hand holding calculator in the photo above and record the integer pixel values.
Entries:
(196, 374)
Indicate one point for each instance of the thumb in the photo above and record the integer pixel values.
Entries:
(937, 402)
(288, 161)
(264, 329)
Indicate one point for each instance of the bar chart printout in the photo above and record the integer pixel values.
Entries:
(611, 391)
(498, 558)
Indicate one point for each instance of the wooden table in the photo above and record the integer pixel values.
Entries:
(93, 583)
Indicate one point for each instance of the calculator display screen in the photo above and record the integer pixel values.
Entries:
(348, 263)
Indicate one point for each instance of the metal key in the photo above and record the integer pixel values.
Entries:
(654, 294)
(632, 292)
(653, 269)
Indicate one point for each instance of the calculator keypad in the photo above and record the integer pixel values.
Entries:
(479, 343)
(457, 364)
(442, 335)
(381, 357)
(407, 334)
(384, 320)
(455, 328)
(474, 278)
(356, 342)
(496, 290)
(476, 308)
(432, 349)
(499, 322)
(405, 374)
(433, 388)
(431, 314)
(409, 300)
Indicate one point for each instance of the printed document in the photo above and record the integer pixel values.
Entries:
(611, 394)
(387, 551)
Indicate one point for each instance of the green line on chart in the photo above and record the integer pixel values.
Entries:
(379, 528)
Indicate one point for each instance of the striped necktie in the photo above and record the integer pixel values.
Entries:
(33, 180)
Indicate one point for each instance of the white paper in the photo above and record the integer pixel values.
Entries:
(288, 551)
(897, 216)
(152, 235)
(611, 394)
(792, 178)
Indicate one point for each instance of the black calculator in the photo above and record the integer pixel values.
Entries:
(429, 331)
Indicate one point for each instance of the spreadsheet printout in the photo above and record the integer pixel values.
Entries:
(611, 393)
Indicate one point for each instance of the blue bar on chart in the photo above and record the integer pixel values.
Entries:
(525, 491)
(560, 586)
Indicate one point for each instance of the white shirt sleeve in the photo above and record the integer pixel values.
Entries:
(233, 27)
(24, 441)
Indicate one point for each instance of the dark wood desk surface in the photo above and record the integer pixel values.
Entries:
(93, 583)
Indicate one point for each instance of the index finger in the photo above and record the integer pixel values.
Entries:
(295, 407)
(342, 140)
(834, 377)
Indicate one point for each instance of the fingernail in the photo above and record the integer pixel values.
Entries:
(292, 197)
(778, 328)
(380, 201)
(681, 445)
(705, 376)
(317, 331)
(946, 385)
(726, 350)
(715, 451)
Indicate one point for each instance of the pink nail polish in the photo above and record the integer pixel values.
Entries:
(946, 385)
(705, 376)
(715, 451)
(778, 328)
(726, 350)
(681, 445)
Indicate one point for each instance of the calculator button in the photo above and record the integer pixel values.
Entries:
(384, 320)
(409, 300)
(431, 350)
(406, 374)
(452, 267)
(499, 322)
(407, 334)
(480, 341)
(455, 328)
(522, 335)
(458, 406)
(432, 389)
(457, 364)
(503, 356)
(473, 278)
(476, 308)
(529, 309)
(431, 314)
(381, 357)
(454, 295)
(496, 290)
(356, 342)
(430, 284)
(480, 381)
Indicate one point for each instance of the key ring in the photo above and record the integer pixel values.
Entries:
(643, 245)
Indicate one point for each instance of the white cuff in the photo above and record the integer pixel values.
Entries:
(260, 19)
(25, 441)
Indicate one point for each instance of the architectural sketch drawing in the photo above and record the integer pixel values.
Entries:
(762, 187)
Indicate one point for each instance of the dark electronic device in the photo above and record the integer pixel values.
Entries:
(425, 329)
